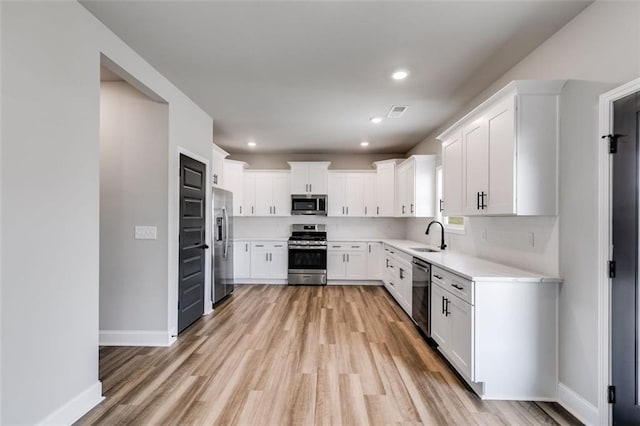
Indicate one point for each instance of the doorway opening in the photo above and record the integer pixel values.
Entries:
(134, 140)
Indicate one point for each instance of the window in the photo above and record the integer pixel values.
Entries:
(452, 224)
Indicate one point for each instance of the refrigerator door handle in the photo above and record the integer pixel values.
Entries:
(226, 232)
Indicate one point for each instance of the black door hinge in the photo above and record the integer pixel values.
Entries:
(611, 391)
(613, 142)
(612, 269)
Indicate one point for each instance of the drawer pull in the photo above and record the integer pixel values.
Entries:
(455, 286)
(437, 276)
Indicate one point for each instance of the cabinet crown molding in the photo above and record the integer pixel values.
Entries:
(516, 87)
(309, 163)
(244, 164)
(220, 151)
(396, 161)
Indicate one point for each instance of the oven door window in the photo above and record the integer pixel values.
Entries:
(304, 205)
(307, 259)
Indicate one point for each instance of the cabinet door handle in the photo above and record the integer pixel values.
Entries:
(310, 187)
(483, 205)
(478, 201)
(403, 209)
(369, 248)
(441, 209)
(343, 257)
(274, 209)
(251, 209)
(342, 209)
(306, 187)
(411, 207)
(378, 210)
(387, 262)
(443, 305)
(446, 308)
(246, 247)
(270, 257)
(347, 257)
(401, 274)
(365, 210)
(347, 210)
(266, 257)
(240, 209)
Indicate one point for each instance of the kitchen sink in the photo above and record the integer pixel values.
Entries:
(425, 250)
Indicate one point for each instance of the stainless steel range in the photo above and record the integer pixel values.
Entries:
(308, 255)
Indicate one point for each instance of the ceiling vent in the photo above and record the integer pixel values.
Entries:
(396, 111)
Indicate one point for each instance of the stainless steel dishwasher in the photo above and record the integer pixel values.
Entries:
(421, 292)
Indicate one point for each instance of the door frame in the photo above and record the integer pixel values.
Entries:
(605, 247)
(173, 253)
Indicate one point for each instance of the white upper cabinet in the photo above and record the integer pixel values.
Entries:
(217, 165)
(452, 176)
(233, 172)
(249, 194)
(347, 192)
(509, 153)
(309, 177)
(415, 196)
(385, 187)
(370, 205)
(267, 193)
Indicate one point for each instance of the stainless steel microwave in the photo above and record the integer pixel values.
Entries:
(309, 204)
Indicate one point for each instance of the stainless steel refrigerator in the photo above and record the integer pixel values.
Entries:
(222, 262)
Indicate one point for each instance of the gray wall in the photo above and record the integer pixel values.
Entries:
(606, 55)
(338, 162)
(133, 191)
(50, 202)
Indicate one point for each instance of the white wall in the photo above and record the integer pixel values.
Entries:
(50, 213)
(337, 227)
(338, 161)
(134, 136)
(601, 45)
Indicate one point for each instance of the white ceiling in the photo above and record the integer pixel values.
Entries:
(306, 76)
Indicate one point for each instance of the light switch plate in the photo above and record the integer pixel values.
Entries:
(146, 233)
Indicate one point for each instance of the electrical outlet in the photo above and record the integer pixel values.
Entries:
(531, 239)
(146, 233)
(483, 234)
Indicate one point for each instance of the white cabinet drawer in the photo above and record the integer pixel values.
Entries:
(453, 283)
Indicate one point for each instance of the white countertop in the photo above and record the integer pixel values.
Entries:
(470, 267)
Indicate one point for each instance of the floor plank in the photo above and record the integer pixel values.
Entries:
(299, 355)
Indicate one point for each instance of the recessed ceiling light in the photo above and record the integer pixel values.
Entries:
(376, 120)
(251, 144)
(400, 75)
(364, 143)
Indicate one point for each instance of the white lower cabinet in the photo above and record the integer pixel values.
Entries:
(375, 261)
(241, 259)
(451, 328)
(347, 261)
(500, 336)
(397, 276)
(269, 260)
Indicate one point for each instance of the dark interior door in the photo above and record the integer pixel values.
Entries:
(192, 241)
(624, 291)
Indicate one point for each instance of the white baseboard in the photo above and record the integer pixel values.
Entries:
(354, 282)
(582, 409)
(257, 281)
(135, 338)
(77, 407)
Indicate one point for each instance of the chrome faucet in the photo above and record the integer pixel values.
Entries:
(442, 244)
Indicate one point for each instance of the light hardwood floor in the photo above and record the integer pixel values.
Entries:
(280, 355)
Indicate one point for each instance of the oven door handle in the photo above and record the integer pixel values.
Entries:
(307, 247)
